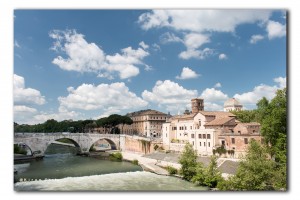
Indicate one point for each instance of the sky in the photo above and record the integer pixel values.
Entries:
(88, 64)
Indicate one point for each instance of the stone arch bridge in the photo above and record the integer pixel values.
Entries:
(38, 142)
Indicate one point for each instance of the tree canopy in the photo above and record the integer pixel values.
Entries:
(80, 126)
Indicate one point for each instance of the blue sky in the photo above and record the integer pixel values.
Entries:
(81, 64)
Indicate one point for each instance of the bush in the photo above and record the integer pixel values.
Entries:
(135, 162)
(172, 170)
(19, 150)
(116, 156)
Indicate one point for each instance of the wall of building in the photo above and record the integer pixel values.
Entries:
(135, 144)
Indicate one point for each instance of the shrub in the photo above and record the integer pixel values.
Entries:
(19, 150)
(172, 170)
(116, 156)
(135, 162)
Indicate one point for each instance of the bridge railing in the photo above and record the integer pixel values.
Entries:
(65, 134)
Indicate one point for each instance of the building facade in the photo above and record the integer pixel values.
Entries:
(208, 130)
(145, 123)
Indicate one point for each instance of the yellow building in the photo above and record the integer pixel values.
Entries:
(145, 123)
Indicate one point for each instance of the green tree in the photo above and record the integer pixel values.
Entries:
(212, 174)
(188, 161)
(125, 120)
(246, 116)
(208, 176)
(255, 171)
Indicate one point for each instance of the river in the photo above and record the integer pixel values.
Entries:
(68, 172)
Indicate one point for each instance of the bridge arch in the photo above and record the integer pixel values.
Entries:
(98, 144)
(25, 146)
(63, 141)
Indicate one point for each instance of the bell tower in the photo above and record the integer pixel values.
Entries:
(197, 105)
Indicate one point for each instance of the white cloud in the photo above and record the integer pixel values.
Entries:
(213, 95)
(218, 85)
(195, 24)
(201, 20)
(223, 56)
(169, 37)
(103, 96)
(281, 81)
(24, 95)
(148, 68)
(252, 97)
(187, 73)
(195, 40)
(144, 45)
(275, 29)
(59, 116)
(156, 47)
(17, 44)
(24, 114)
(208, 106)
(258, 93)
(23, 109)
(255, 38)
(198, 54)
(169, 94)
(88, 57)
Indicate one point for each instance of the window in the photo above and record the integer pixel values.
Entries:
(199, 136)
(239, 132)
(203, 143)
(184, 127)
(199, 122)
(193, 143)
(233, 140)
(192, 135)
(208, 144)
(246, 140)
(253, 131)
(200, 144)
(208, 136)
(191, 127)
(204, 136)
(166, 135)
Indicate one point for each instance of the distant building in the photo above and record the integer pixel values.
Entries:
(232, 104)
(146, 123)
(208, 130)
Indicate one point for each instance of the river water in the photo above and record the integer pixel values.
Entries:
(67, 172)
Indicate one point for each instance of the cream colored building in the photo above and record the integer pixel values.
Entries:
(207, 130)
(232, 104)
(145, 123)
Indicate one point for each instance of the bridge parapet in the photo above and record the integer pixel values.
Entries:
(40, 141)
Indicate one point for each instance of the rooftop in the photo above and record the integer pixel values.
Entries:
(232, 102)
(217, 114)
(145, 112)
(219, 121)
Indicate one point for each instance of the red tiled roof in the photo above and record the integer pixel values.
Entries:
(217, 114)
(219, 121)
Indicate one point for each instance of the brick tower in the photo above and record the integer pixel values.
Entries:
(197, 105)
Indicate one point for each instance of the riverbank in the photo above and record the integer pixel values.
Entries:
(157, 161)
(147, 164)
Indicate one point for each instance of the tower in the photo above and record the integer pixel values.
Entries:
(197, 105)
